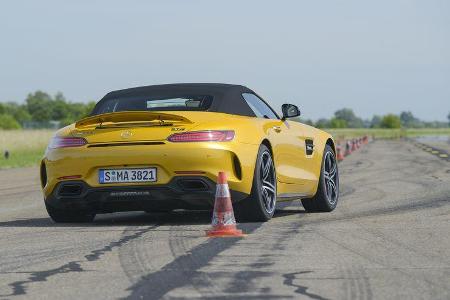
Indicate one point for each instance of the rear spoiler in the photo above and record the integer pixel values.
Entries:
(130, 116)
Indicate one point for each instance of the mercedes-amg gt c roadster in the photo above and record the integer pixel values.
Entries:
(160, 148)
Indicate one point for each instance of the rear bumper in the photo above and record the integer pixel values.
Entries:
(182, 192)
(205, 159)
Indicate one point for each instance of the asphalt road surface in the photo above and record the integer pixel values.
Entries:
(388, 238)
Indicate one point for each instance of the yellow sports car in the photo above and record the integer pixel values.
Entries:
(159, 148)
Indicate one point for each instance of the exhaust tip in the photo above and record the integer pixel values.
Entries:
(70, 190)
(193, 185)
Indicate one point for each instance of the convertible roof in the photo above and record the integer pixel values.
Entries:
(227, 97)
(208, 88)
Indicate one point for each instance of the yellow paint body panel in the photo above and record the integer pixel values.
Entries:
(297, 173)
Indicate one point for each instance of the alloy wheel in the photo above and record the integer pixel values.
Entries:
(331, 177)
(268, 182)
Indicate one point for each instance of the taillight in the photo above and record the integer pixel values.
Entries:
(65, 142)
(203, 136)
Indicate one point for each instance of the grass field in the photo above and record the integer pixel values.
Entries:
(341, 134)
(27, 147)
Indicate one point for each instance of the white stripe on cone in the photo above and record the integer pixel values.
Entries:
(225, 219)
(222, 191)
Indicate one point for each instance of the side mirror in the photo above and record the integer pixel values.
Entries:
(290, 111)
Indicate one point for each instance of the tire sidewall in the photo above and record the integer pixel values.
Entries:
(322, 189)
(257, 184)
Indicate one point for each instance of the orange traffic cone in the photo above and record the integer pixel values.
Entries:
(223, 221)
(354, 148)
(339, 155)
(348, 148)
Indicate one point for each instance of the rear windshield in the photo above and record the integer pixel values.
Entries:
(178, 103)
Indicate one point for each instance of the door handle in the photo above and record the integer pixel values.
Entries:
(277, 128)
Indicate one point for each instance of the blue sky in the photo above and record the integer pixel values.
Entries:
(373, 56)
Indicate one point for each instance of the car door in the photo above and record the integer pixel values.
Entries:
(287, 146)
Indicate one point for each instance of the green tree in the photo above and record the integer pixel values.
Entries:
(409, 121)
(448, 117)
(390, 121)
(77, 110)
(338, 123)
(21, 115)
(308, 122)
(19, 112)
(42, 107)
(60, 108)
(349, 117)
(376, 121)
(39, 106)
(323, 123)
(8, 122)
(89, 107)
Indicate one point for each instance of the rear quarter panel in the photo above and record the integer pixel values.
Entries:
(320, 139)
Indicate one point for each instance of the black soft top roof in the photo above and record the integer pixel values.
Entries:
(227, 97)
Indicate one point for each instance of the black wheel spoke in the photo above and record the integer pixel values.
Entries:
(333, 171)
(333, 187)
(266, 167)
(269, 186)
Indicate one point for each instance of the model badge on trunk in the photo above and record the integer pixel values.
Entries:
(126, 134)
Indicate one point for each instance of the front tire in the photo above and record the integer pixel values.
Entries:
(69, 216)
(327, 195)
(260, 206)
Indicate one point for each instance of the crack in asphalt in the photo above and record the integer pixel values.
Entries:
(20, 287)
(303, 290)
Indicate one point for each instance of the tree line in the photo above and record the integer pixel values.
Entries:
(41, 110)
(346, 118)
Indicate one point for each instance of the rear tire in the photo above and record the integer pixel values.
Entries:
(260, 206)
(327, 195)
(70, 216)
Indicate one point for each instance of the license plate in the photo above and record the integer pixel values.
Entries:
(127, 175)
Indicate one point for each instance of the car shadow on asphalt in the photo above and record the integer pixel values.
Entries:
(287, 212)
(175, 218)
(121, 219)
